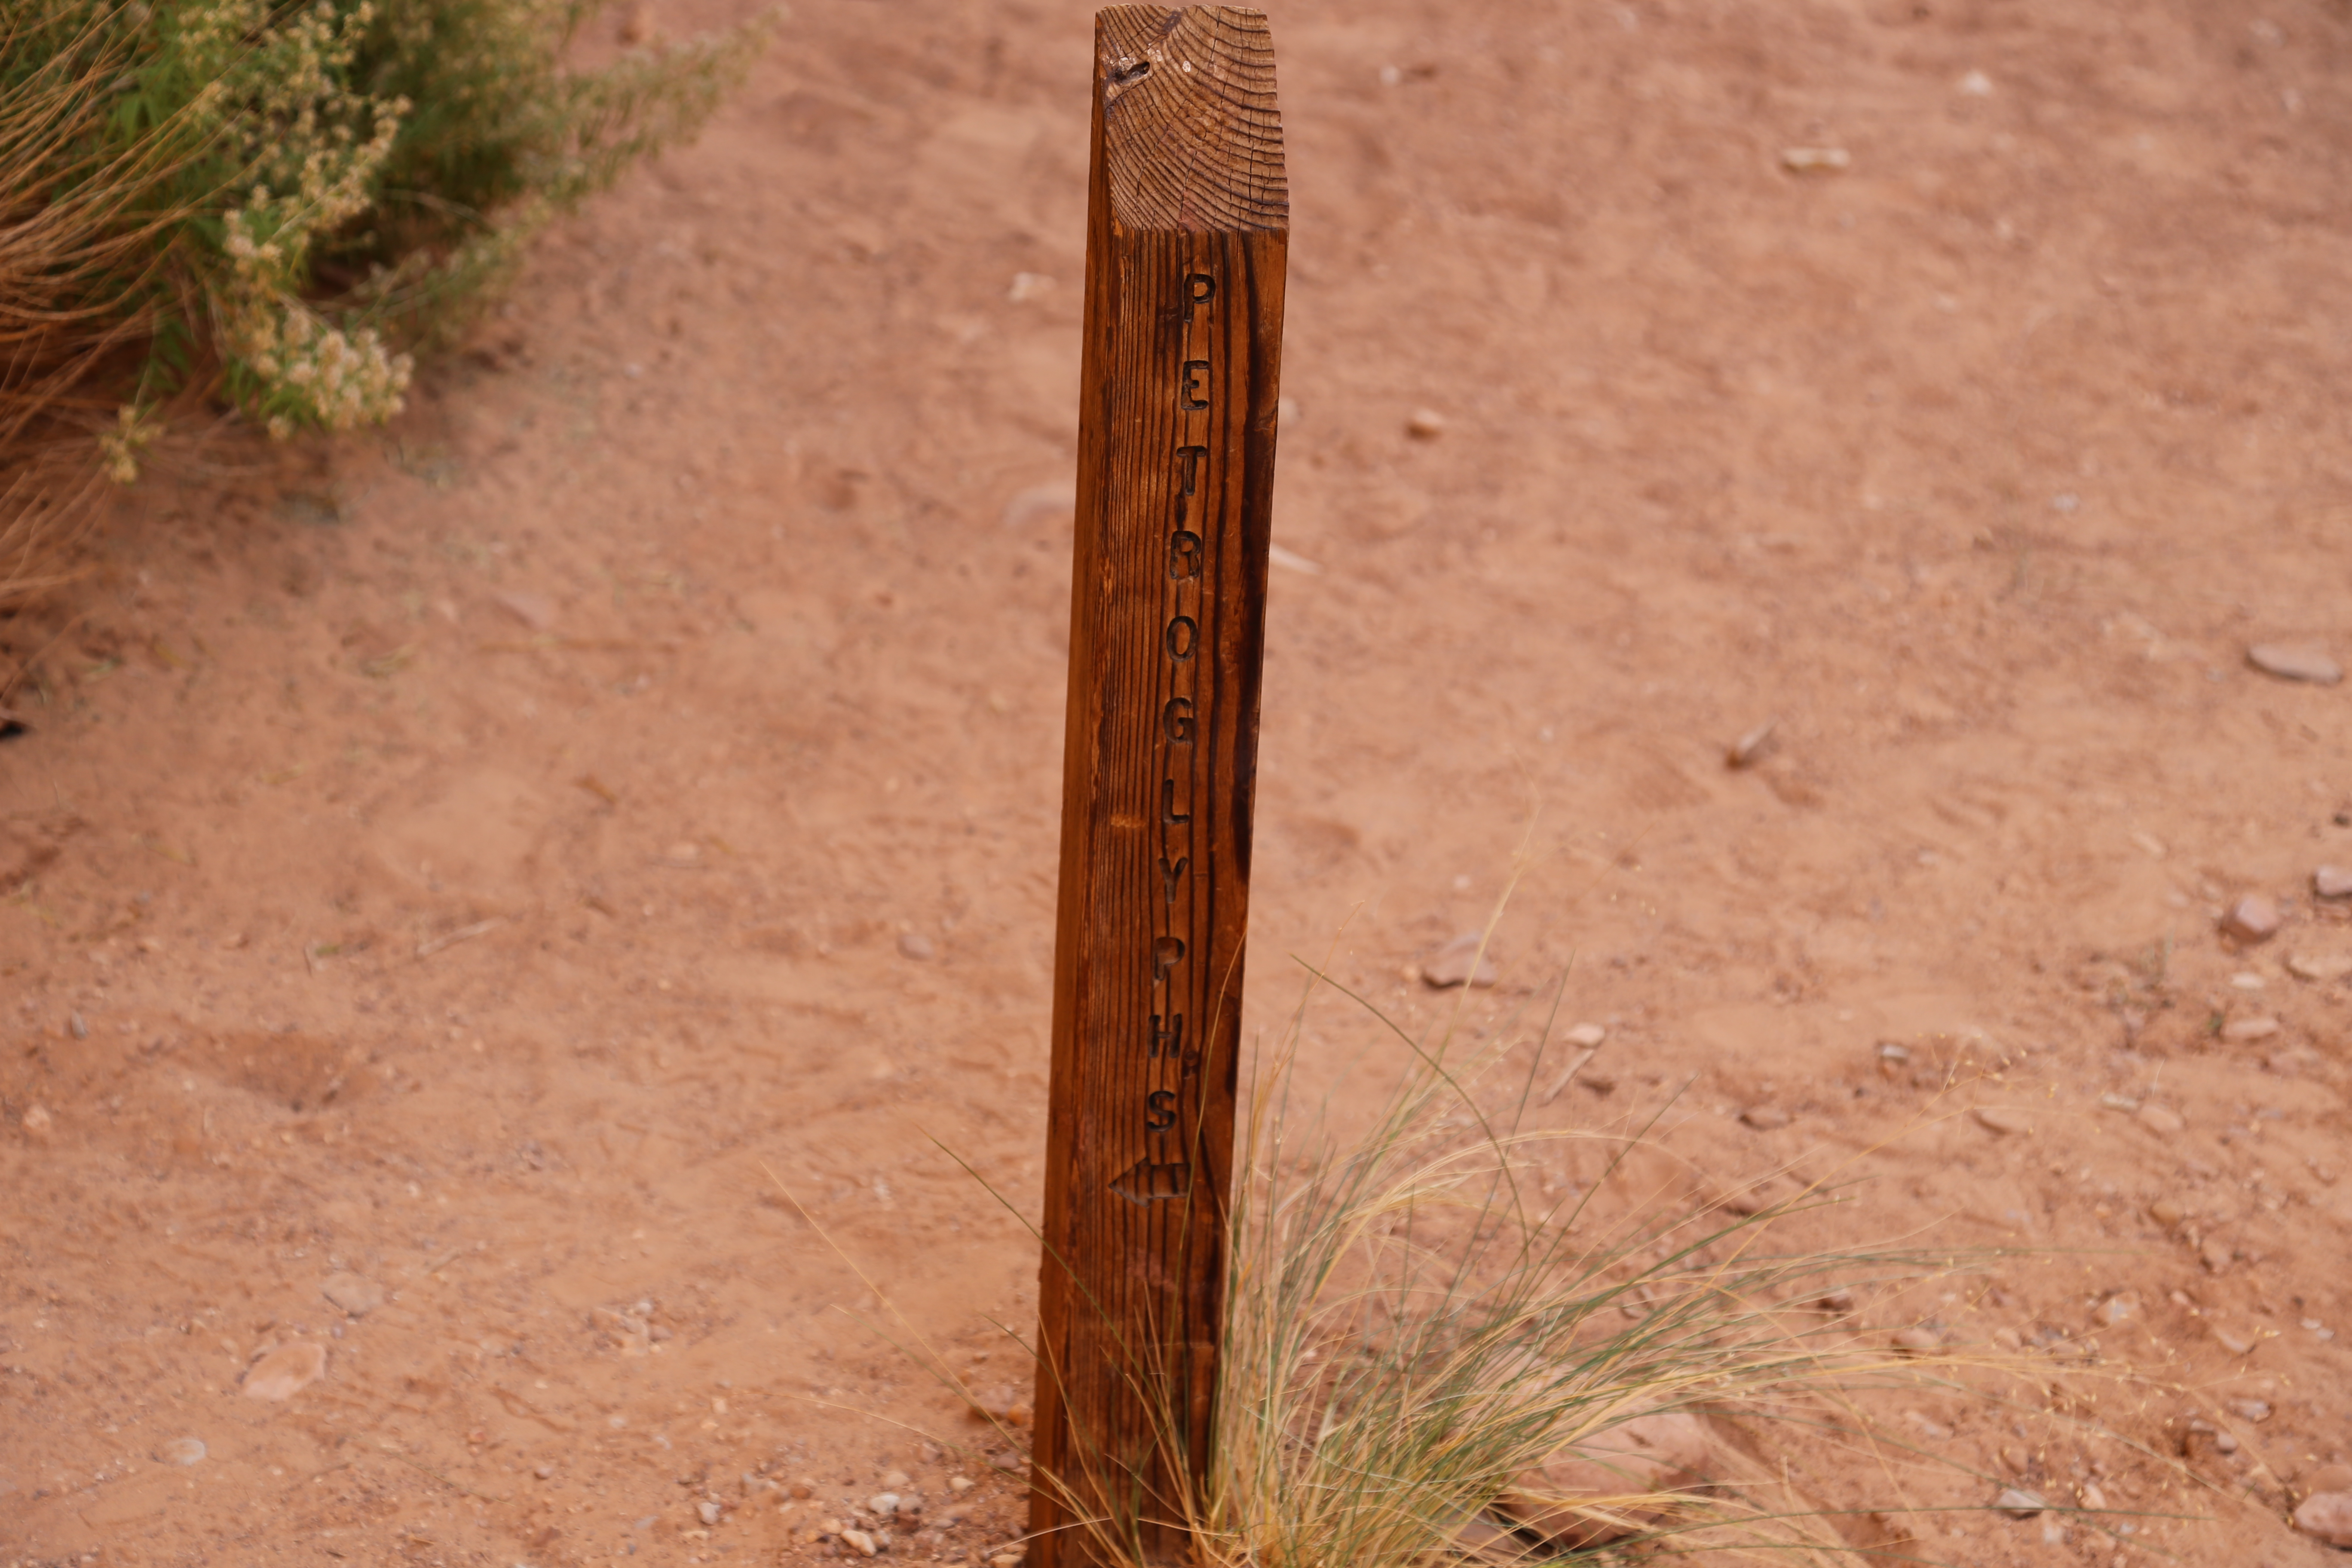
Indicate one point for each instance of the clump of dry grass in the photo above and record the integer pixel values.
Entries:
(1427, 1359)
(270, 203)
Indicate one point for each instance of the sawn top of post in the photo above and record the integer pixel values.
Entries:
(1191, 136)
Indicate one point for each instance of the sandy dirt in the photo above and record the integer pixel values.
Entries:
(516, 857)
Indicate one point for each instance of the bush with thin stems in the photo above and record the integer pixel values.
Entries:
(273, 204)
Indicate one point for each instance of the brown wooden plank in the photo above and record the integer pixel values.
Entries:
(1188, 220)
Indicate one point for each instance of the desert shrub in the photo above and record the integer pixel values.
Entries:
(276, 202)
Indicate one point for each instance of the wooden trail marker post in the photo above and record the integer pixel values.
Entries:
(1188, 222)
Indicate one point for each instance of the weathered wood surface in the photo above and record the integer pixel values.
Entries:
(1187, 228)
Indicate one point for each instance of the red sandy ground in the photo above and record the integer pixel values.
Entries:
(502, 963)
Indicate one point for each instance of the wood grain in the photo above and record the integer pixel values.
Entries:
(1187, 230)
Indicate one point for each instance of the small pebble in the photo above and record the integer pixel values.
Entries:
(2160, 1121)
(1765, 1118)
(1749, 749)
(36, 1120)
(2121, 1306)
(914, 944)
(544, 1472)
(1425, 425)
(882, 1505)
(708, 1512)
(1452, 964)
(2320, 967)
(1587, 1036)
(860, 1542)
(2018, 1503)
(2251, 919)
(960, 1483)
(2295, 661)
(2326, 1516)
(2250, 1409)
(2328, 1478)
(353, 1294)
(2237, 1342)
(2093, 1497)
(896, 1480)
(2214, 1254)
(180, 1451)
(536, 611)
(1918, 1340)
(1813, 160)
(286, 1371)
(2008, 1339)
(2250, 1028)
(2332, 882)
(2163, 1211)
(2003, 1119)
(804, 1488)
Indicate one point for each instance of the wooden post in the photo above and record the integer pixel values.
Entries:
(1188, 219)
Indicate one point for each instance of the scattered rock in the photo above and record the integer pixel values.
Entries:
(2008, 1339)
(1975, 84)
(2257, 1410)
(2003, 1119)
(2332, 882)
(1765, 1118)
(180, 1451)
(1453, 965)
(1655, 1452)
(536, 611)
(1918, 1340)
(2328, 1478)
(2214, 1254)
(708, 1512)
(2295, 661)
(860, 1542)
(2163, 1211)
(544, 1472)
(1927, 1426)
(1894, 1056)
(2018, 1503)
(354, 1293)
(286, 1371)
(1750, 748)
(1814, 160)
(2244, 1029)
(2119, 1307)
(2290, 1063)
(1586, 1037)
(2092, 1496)
(960, 1483)
(914, 944)
(803, 1489)
(2237, 1342)
(882, 1505)
(2251, 919)
(37, 1122)
(2326, 1516)
(1425, 425)
(2158, 1120)
(2321, 967)
(1839, 1299)
(896, 1480)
